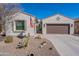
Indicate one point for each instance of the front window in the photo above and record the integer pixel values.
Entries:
(19, 25)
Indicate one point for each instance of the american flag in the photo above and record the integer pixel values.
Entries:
(32, 22)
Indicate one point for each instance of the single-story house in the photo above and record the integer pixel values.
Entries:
(20, 22)
(76, 26)
(58, 24)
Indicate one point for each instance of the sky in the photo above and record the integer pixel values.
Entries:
(44, 10)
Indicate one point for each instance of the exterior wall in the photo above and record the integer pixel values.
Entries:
(62, 20)
(19, 16)
(77, 27)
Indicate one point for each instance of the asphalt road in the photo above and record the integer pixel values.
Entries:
(66, 45)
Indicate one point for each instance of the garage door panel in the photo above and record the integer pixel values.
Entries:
(57, 29)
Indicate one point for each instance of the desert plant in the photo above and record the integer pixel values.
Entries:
(26, 42)
(26, 36)
(8, 39)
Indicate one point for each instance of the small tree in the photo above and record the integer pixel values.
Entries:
(7, 10)
(39, 27)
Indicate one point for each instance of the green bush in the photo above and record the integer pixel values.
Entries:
(8, 39)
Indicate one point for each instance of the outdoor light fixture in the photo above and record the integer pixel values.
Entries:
(71, 25)
(44, 25)
(58, 18)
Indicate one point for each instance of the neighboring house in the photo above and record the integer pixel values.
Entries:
(76, 26)
(58, 24)
(20, 22)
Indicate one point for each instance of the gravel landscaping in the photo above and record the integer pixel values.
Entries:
(36, 47)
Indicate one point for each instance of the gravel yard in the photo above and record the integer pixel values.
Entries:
(33, 48)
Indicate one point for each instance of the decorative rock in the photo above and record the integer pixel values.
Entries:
(31, 54)
(50, 48)
(41, 46)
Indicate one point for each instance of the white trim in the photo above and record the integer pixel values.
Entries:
(14, 26)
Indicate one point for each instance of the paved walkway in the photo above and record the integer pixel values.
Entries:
(66, 45)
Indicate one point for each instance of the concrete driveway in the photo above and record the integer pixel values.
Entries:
(66, 45)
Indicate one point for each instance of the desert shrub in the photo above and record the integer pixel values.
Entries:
(8, 39)
(25, 43)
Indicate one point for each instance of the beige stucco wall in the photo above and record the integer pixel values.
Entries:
(19, 16)
(62, 20)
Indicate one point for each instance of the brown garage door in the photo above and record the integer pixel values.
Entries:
(58, 28)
